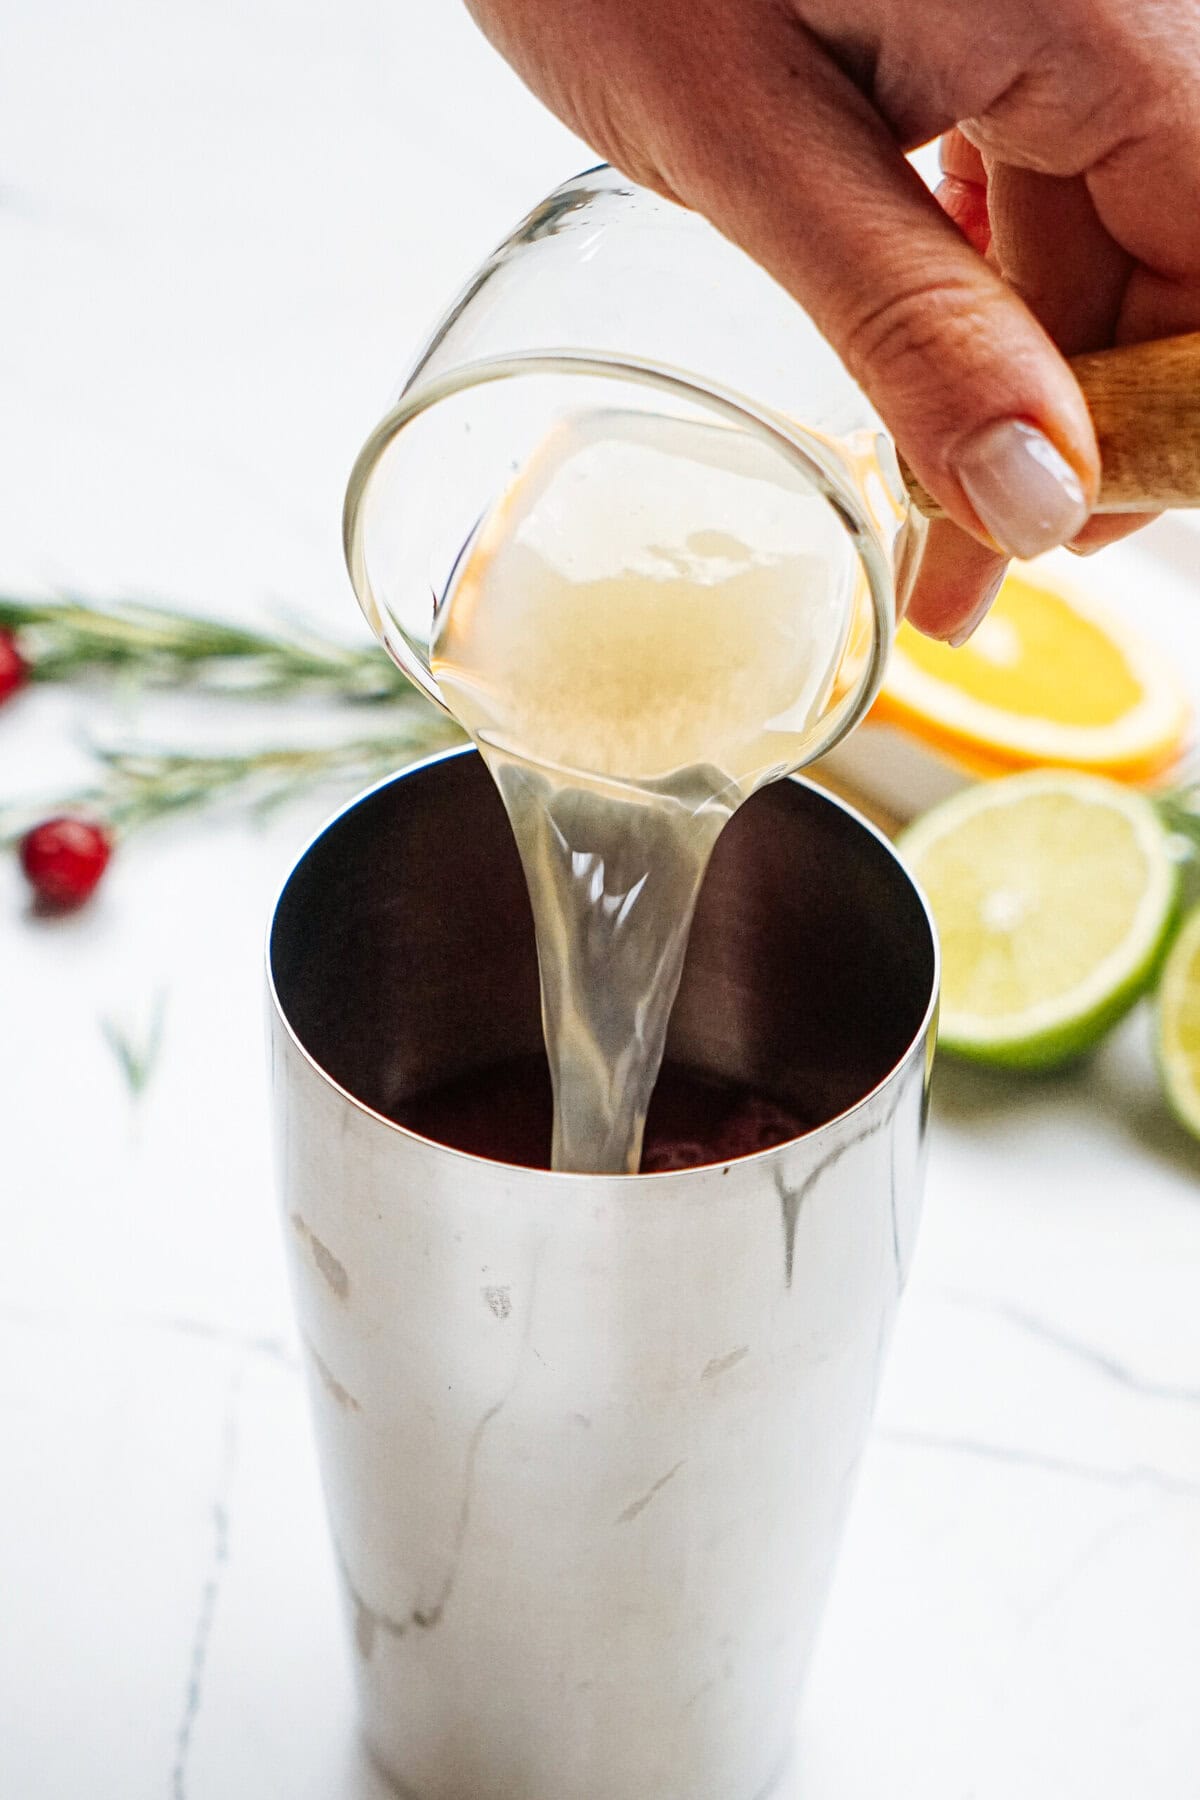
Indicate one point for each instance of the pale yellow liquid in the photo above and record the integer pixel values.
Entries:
(643, 631)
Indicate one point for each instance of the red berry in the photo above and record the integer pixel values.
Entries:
(12, 666)
(63, 860)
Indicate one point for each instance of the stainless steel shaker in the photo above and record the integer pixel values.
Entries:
(588, 1442)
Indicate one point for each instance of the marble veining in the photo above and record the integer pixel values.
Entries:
(208, 1332)
(1140, 1476)
(222, 236)
(210, 1592)
(1179, 1393)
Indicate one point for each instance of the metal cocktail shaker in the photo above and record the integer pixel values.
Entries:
(587, 1442)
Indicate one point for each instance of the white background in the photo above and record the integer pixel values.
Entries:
(223, 229)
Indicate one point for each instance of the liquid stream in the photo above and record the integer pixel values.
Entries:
(646, 628)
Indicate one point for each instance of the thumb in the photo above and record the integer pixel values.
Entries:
(983, 407)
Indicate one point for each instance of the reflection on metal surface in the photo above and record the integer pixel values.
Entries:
(588, 1508)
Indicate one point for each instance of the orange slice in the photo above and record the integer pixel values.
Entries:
(1048, 678)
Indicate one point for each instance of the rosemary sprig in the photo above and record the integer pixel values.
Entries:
(63, 639)
(139, 784)
(137, 1054)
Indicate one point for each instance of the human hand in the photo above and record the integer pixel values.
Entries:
(1069, 216)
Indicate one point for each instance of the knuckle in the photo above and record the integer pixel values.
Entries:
(1093, 86)
(606, 115)
(899, 337)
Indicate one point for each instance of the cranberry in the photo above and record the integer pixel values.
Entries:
(63, 860)
(13, 668)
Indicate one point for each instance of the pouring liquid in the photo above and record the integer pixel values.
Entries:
(645, 629)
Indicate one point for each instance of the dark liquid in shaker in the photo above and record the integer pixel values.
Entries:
(506, 1113)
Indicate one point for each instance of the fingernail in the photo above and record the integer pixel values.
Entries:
(979, 615)
(1026, 494)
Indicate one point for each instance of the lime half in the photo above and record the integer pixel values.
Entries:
(1179, 1024)
(1054, 895)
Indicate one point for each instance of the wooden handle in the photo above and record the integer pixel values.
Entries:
(1145, 404)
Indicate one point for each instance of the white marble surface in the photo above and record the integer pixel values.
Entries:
(222, 229)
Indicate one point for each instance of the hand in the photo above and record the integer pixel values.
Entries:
(1071, 144)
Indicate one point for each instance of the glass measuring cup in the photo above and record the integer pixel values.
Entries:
(607, 299)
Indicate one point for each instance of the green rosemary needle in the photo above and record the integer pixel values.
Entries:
(62, 640)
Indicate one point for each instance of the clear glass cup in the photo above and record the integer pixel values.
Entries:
(606, 296)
